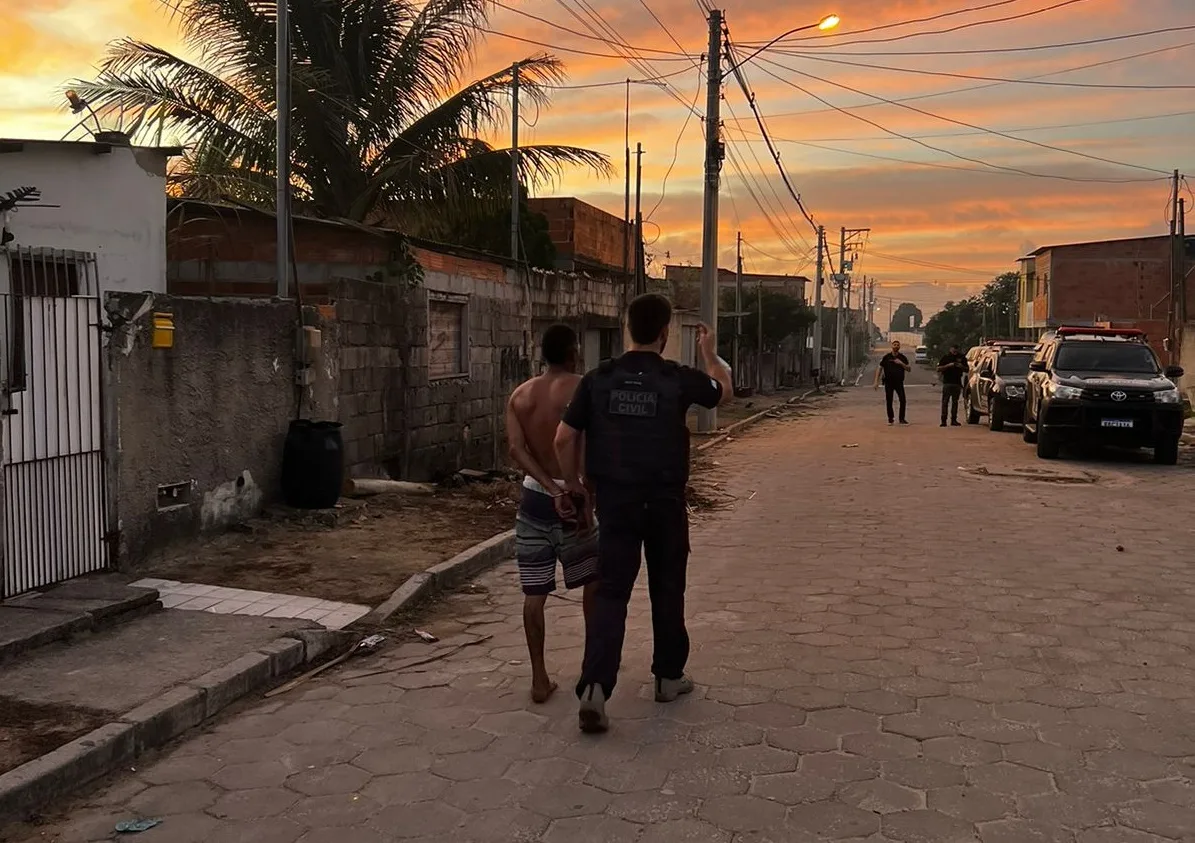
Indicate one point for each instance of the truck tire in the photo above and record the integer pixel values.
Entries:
(996, 417)
(1047, 446)
(1166, 453)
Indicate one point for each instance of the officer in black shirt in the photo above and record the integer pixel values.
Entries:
(951, 369)
(630, 412)
(892, 368)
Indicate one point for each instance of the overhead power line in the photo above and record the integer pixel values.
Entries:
(967, 134)
(617, 83)
(676, 145)
(839, 33)
(587, 36)
(970, 88)
(985, 51)
(932, 265)
(590, 19)
(926, 32)
(737, 70)
(1003, 79)
(572, 50)
(780, 203)
(947, 120)
(662, 26)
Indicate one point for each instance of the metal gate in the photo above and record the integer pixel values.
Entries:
(52, 485)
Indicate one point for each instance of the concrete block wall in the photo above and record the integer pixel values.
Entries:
(372, 320)
(208, 415)
(401, 422)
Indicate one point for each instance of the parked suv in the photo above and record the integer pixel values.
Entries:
(1102, 386)
(997, 388)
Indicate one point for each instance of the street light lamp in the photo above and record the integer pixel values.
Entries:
(825, 24)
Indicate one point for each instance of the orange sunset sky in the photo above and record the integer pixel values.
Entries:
(966, 219)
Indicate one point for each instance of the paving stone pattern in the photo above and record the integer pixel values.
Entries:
(197, 597)
(889, 649)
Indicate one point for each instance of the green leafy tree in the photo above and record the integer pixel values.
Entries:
(783, 317)
(900, 319)
(991, 313)
(384, 128)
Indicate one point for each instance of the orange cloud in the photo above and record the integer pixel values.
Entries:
(953, 213)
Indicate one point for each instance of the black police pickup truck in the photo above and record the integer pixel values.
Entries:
(1102, 386)
(997, 385)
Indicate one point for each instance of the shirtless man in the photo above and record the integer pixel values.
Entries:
(551, 525)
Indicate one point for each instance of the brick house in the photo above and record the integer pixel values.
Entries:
(1123, 283)
(587, 239)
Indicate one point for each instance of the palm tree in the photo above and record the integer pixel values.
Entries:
(383, 131)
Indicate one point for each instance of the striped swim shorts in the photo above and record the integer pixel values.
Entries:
(541, 539)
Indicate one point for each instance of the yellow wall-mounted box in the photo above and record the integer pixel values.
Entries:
(163, 330)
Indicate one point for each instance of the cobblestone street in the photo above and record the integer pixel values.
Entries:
(887, 646)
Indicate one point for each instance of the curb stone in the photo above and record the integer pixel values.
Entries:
(28, 788)
(750, 420)
(446, 575)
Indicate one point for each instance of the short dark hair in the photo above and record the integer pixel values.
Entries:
(648, 316)
(558, 343)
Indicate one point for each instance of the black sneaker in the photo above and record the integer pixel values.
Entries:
(902, 421)
(943, 424)
(956, 423)
(891, 421)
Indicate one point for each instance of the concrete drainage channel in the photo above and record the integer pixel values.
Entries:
(1066, 477)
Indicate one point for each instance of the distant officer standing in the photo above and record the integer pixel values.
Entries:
(951, 369)
(892, 368)
(632, 414)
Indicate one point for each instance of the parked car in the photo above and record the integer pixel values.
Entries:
(1102, 386)
(921, 354)
(996, 388)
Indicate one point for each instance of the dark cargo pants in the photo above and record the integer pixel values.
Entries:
(652, 524)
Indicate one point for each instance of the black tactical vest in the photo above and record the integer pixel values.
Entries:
(637, 435)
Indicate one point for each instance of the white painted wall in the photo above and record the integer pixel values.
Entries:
(112, 204)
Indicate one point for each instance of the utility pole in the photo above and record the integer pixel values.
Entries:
(817, 309)
(282, 139)
(738, 306)
(514, 161)
(640, 280)
(626, 205)
(759, 335)
(707, 420)
(1182, 264)
(842, 281)
(1176, 273)
(840, 322)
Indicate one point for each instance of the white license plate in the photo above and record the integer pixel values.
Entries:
(1122, 423)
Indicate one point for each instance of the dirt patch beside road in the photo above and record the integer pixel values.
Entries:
(738, 409)
(360, 561)
(29, 730)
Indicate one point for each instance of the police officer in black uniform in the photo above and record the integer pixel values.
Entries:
(631, 412)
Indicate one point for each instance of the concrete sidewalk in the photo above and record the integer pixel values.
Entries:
(888, 648)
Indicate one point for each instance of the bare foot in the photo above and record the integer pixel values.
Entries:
(540, 694)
